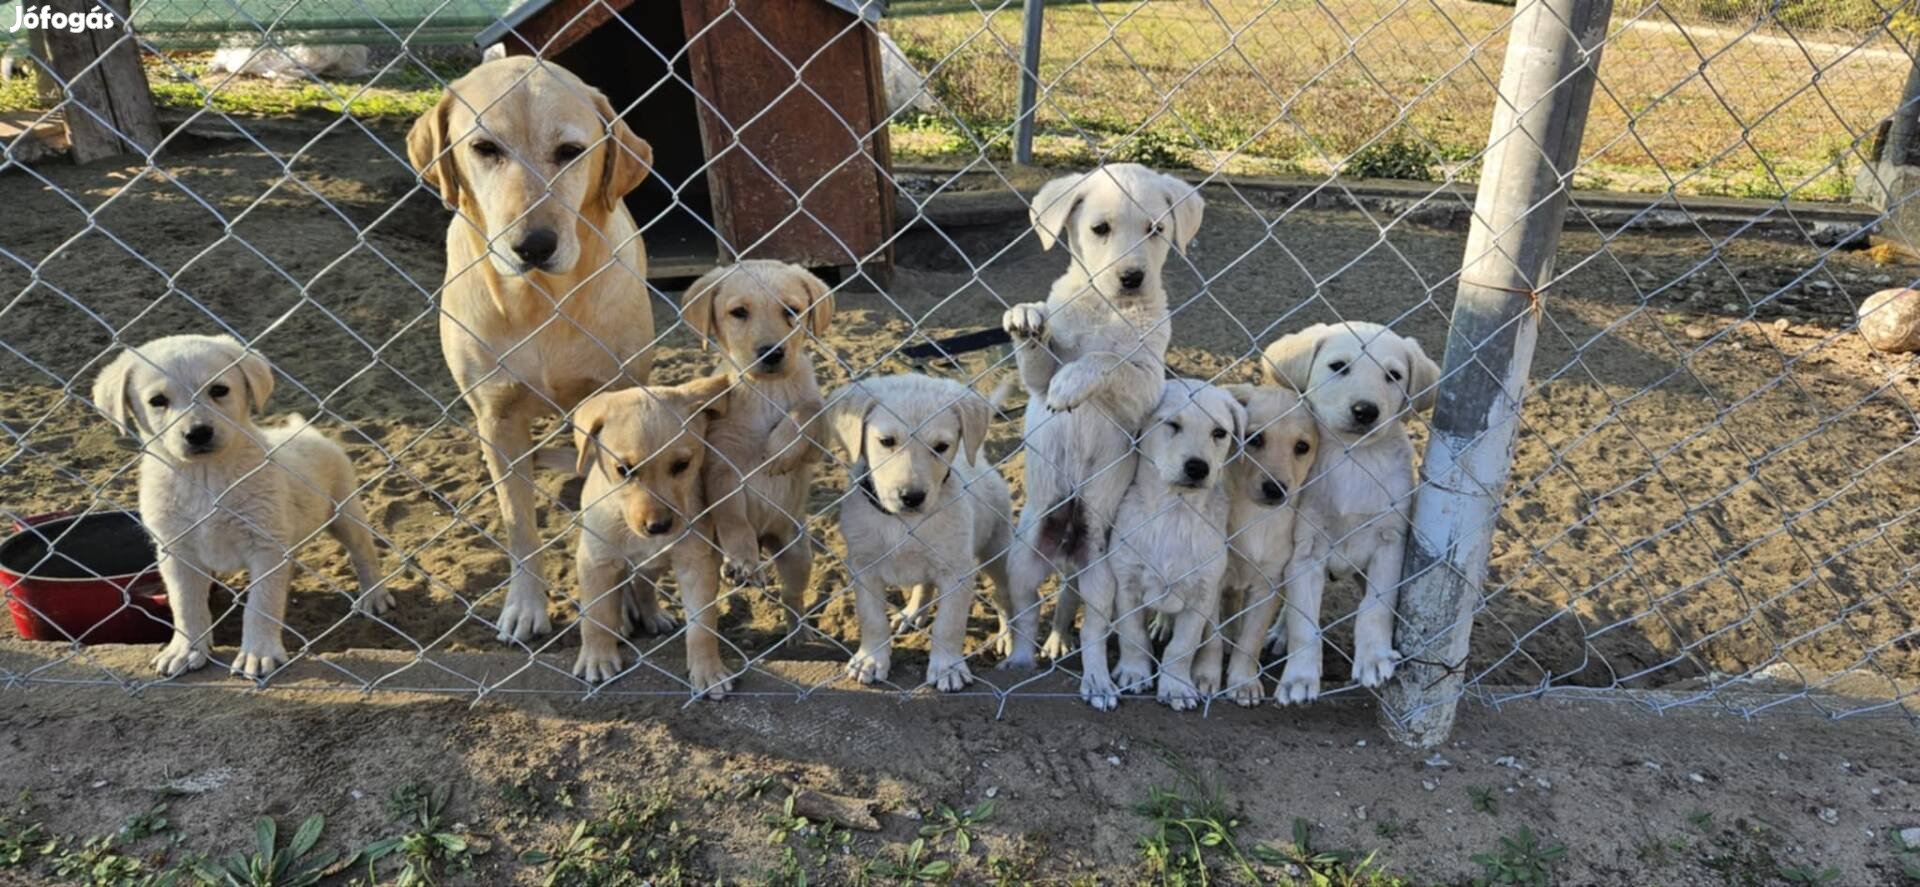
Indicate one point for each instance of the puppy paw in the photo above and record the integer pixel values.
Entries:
(948, 673)
(1025, 321)
(909, 620)
(522, 620)
(1160, 627)
(1002, 643)
(1277, 639)
(374, 601)
(179, 657)
(1176, 693)
(653, 620)
(870, 666)
(1373, 667)
(598, 663)
(1017, 661)
(259, 659)
(1299, 684)
(1057, 646)
(743, 572)
(709, 680)
(1098, 690)
(1133, 677)
(1206, 682)
(1245, 690)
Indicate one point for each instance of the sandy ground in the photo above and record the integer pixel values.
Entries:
(1697, 797)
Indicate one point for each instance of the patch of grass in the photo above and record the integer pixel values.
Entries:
(1484, 800)
(1906, 856)
(958, 824)
(297, 864)
(631, 841)
(1520, 859)
(1808, 874)
(912, 865)
(427, 850)
(1392, 159)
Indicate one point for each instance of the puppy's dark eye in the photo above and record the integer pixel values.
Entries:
(1338, 366)
(624, 469)
(158, 401)
(1219, 434)
(740, 312)
(1101, 230)
(565, 153)
(793, 314)
(888, 441)
(942, 447)
(216, 391)
(1393, 375)
(485, 149)
(1257, 441)
(1173, 427)
(1156, 230)
(1301, 448)
(679, 467)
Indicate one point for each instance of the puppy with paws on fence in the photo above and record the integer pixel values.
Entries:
(643, 511)
(760, 314)
(1167, 552)
(1360, 381)
(931, 512)
(219, 493)
(1092, 358)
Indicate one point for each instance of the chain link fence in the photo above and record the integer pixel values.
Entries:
(1713, 483)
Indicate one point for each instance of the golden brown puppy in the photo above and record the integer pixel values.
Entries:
(1262, 479)
(545, 300)
(760, 314)
(641, 450)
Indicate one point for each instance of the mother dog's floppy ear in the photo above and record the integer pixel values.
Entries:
(1289, 361)
(253, 368)
(1423, 375)
(628, 157)
(112, 394)
(428, 149)
(1183, 217)
(1054, 206)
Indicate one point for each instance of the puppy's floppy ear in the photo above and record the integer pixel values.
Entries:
(975, 414)
(628, 157)
(847, 417)
(429, 150)
(698, 307)
(1241, 392)
(1183, 217)
(113, 395)
(254, 369)
(706, 398)
(1423, 375)
(1239, 412)
(1053, 208)
(587, 420)
(1289, 361)
(819, 301)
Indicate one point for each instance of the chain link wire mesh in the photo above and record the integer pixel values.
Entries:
(1713, 493)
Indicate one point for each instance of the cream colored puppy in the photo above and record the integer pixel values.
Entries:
(761, 314)
(641, 450)
(1266, 473)
(931, 512)
(1168, 551)
(545, 300)
(1360, 381)
(1092, 358)
(221, 494)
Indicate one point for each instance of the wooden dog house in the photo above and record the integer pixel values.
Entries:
(767, 125)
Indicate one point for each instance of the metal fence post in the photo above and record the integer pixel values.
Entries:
(1029, 83)
(1545, 87)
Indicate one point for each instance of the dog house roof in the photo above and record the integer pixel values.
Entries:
(871, 10)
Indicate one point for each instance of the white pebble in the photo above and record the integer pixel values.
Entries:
(1439, 761)
(1695, 777)
(993, 791)
(1829, 816)
(1652, 765)
(1542, 782)
(1510, 762)
(1114, 760)
(1910, 837)
(1429, 784)
(1360, 744)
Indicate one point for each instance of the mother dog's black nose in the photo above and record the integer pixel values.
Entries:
(537, 246)
(200, 435)
(1365, 411)
(1197, 469)
(1132, 278)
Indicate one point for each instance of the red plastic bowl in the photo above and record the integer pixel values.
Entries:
(91, 578)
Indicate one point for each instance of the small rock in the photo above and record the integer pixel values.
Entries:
(1360, 744)
(1732, 308)
(1781, 755)
(1360, 813)
(99, 783)
(1829, 816)
(357, 794)
(1782, 325)
(1263, 761)
(1545, 784)
(1651, 765)
(1696, 778)
(1439, 761)
(1510, 762)
(1114, 760)
(853, 813)
(1910, 837)
(1890, 320)
(1697, 332)
(993, 791)
(1429, 784)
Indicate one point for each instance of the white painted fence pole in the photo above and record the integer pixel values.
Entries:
(1547, 82)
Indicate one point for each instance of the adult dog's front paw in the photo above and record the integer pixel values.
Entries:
(1025, 321)
(523, 619)
(1245, 690)
(870, 666)
(598, 663)
(710, 680)
(1373, 667)
(1299, 683)
(1099, 691)
(257, 659)
(179, 657)
(948, 673)
(375, 601)
(1176, 693)
(1057, 646)
(1132, 676)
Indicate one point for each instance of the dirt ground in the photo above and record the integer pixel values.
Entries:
(1696, 797)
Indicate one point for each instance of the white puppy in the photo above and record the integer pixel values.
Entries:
(221, 494)
(1360, 381)
(1092, 358)
(1168, 550)
(931, 512)
(1267, 471)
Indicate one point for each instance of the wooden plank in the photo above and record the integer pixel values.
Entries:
(561, 24)
(110, 108)
(797, 174)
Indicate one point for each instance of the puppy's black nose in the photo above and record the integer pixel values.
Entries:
(200, 435)
(913, 498)
(660, 527)
(772, 357)
(1132, 278)
(1365, 411)
(1197, 469)
(537, 246)
(1273, 491)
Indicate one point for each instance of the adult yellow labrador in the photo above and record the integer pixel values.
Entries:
(545, 300)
